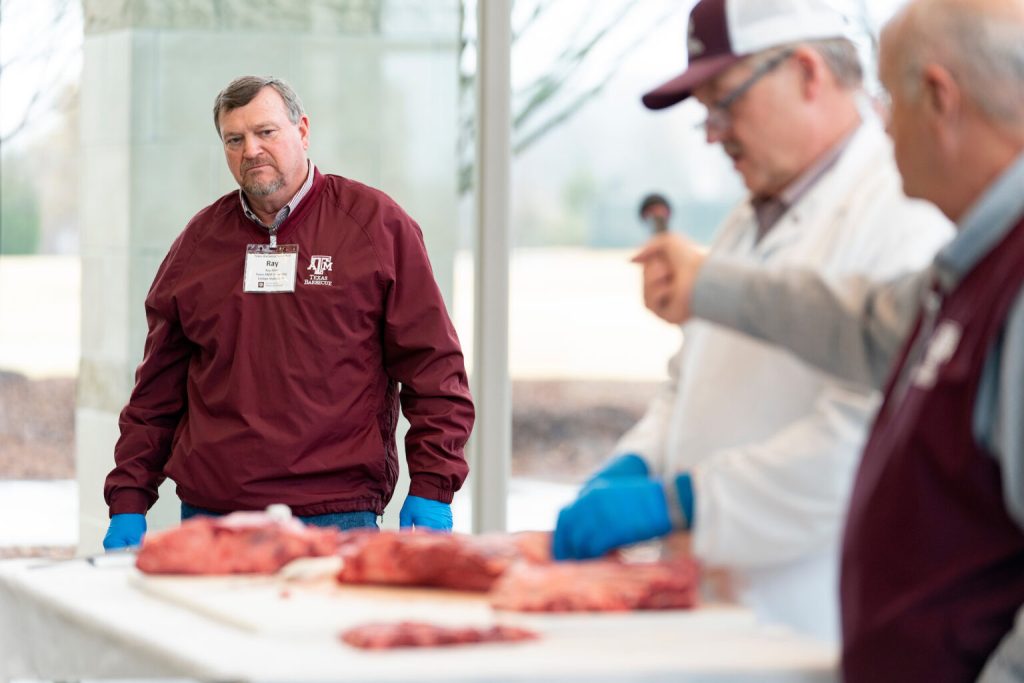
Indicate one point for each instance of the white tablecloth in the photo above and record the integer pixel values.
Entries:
(73, 620)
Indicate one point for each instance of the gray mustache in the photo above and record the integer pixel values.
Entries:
(246, 165)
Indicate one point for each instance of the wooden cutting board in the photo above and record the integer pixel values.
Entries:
(271, 605)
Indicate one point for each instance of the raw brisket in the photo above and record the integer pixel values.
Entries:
(456, 561)
(597, 586)
(240, 543)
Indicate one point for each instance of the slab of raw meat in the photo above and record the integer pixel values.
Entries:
(418, 634)
(456, 561)
(597, 586)
(239, 543)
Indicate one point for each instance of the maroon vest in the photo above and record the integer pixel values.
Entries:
(933, 566)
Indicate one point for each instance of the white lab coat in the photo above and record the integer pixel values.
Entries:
(772, 443)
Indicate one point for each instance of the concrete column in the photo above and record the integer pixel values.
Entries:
(492, 438)
(379, 81)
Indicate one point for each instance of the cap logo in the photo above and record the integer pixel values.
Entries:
(694, 45)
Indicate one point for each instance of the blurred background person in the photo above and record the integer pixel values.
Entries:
(655, 212)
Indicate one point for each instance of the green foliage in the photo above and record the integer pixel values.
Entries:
(564, 222)
(19, 209)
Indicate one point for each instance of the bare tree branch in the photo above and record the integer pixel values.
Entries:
(536, 110)
(538, 11)
(43, 47)
(544, 88)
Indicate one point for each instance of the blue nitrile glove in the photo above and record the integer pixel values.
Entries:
(619, 467)
(425, 513)
(125, 530)
(612, 513)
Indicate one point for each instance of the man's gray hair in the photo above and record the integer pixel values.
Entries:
(843, 61)
(840, 56)
(983, 51)
(242, 90)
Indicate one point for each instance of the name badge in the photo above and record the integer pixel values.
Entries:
(270, 270)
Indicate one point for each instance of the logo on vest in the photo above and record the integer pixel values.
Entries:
(941, 348)
(694, 45)
(319, 265)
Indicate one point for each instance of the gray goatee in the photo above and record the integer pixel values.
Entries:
(255, 188)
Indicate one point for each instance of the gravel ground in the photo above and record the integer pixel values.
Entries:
(60, 552)
(37, 427)
(561, 430)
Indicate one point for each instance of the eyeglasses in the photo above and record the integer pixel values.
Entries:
(719, 118)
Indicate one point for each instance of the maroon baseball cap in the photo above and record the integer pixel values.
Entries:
(722, 32)
(709, 54)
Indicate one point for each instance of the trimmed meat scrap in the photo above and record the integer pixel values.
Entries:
(597, 586)
(239, 543)
(418, 634)
(456, 561)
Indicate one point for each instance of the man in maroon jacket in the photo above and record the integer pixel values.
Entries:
(286, 324)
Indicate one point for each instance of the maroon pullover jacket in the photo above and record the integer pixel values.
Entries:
(248, 399)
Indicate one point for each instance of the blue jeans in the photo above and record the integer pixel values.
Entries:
(342, 520)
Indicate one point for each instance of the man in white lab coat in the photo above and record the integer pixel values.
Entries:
(754, 448)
